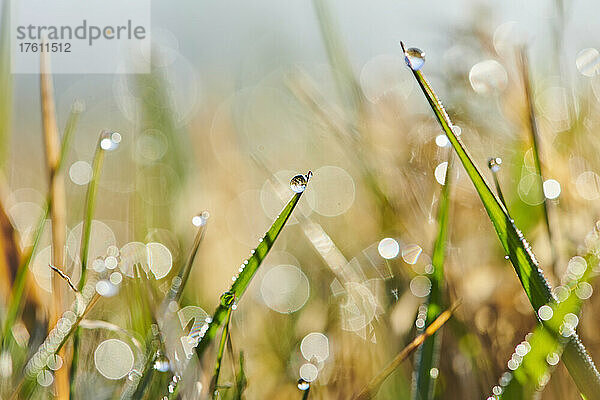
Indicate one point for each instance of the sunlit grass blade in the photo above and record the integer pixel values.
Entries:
(576, 358)
(249, 268)
(306, 393)
(370, 390)
(428, 354)
(17, 293)
(545, 345)
(228, 301)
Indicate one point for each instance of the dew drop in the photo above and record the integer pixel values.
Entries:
(298, 183)
(228, 299)
(415, 58)
(552, 358)
(434, 373)
(161, 362)
(494, 164)
(200, 219)
(303, 385)
(110, 140)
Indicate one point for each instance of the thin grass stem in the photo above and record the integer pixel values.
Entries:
(370, 390)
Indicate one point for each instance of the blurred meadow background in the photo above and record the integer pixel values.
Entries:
(241, 98)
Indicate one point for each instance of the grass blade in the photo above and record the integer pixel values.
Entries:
(578, 362)
(107, 140)
(428, 354)
(369, 391)
(546, 344)
(227, 300)
(249, 268)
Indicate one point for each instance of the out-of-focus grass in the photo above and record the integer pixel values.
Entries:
(427, 357)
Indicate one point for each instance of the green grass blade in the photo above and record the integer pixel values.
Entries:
(578, 362)
(249, 269)
(213, 390)
(305, 394)
(90, 206)
(533, 372)
(428, 354)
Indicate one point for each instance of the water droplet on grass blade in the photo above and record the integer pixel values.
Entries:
(552, 358)
(110, 140)
(161, 363)
(228, 299)
(494, 164)
(200, 219)
(415, 58)
(303, 385)
(298, 182)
